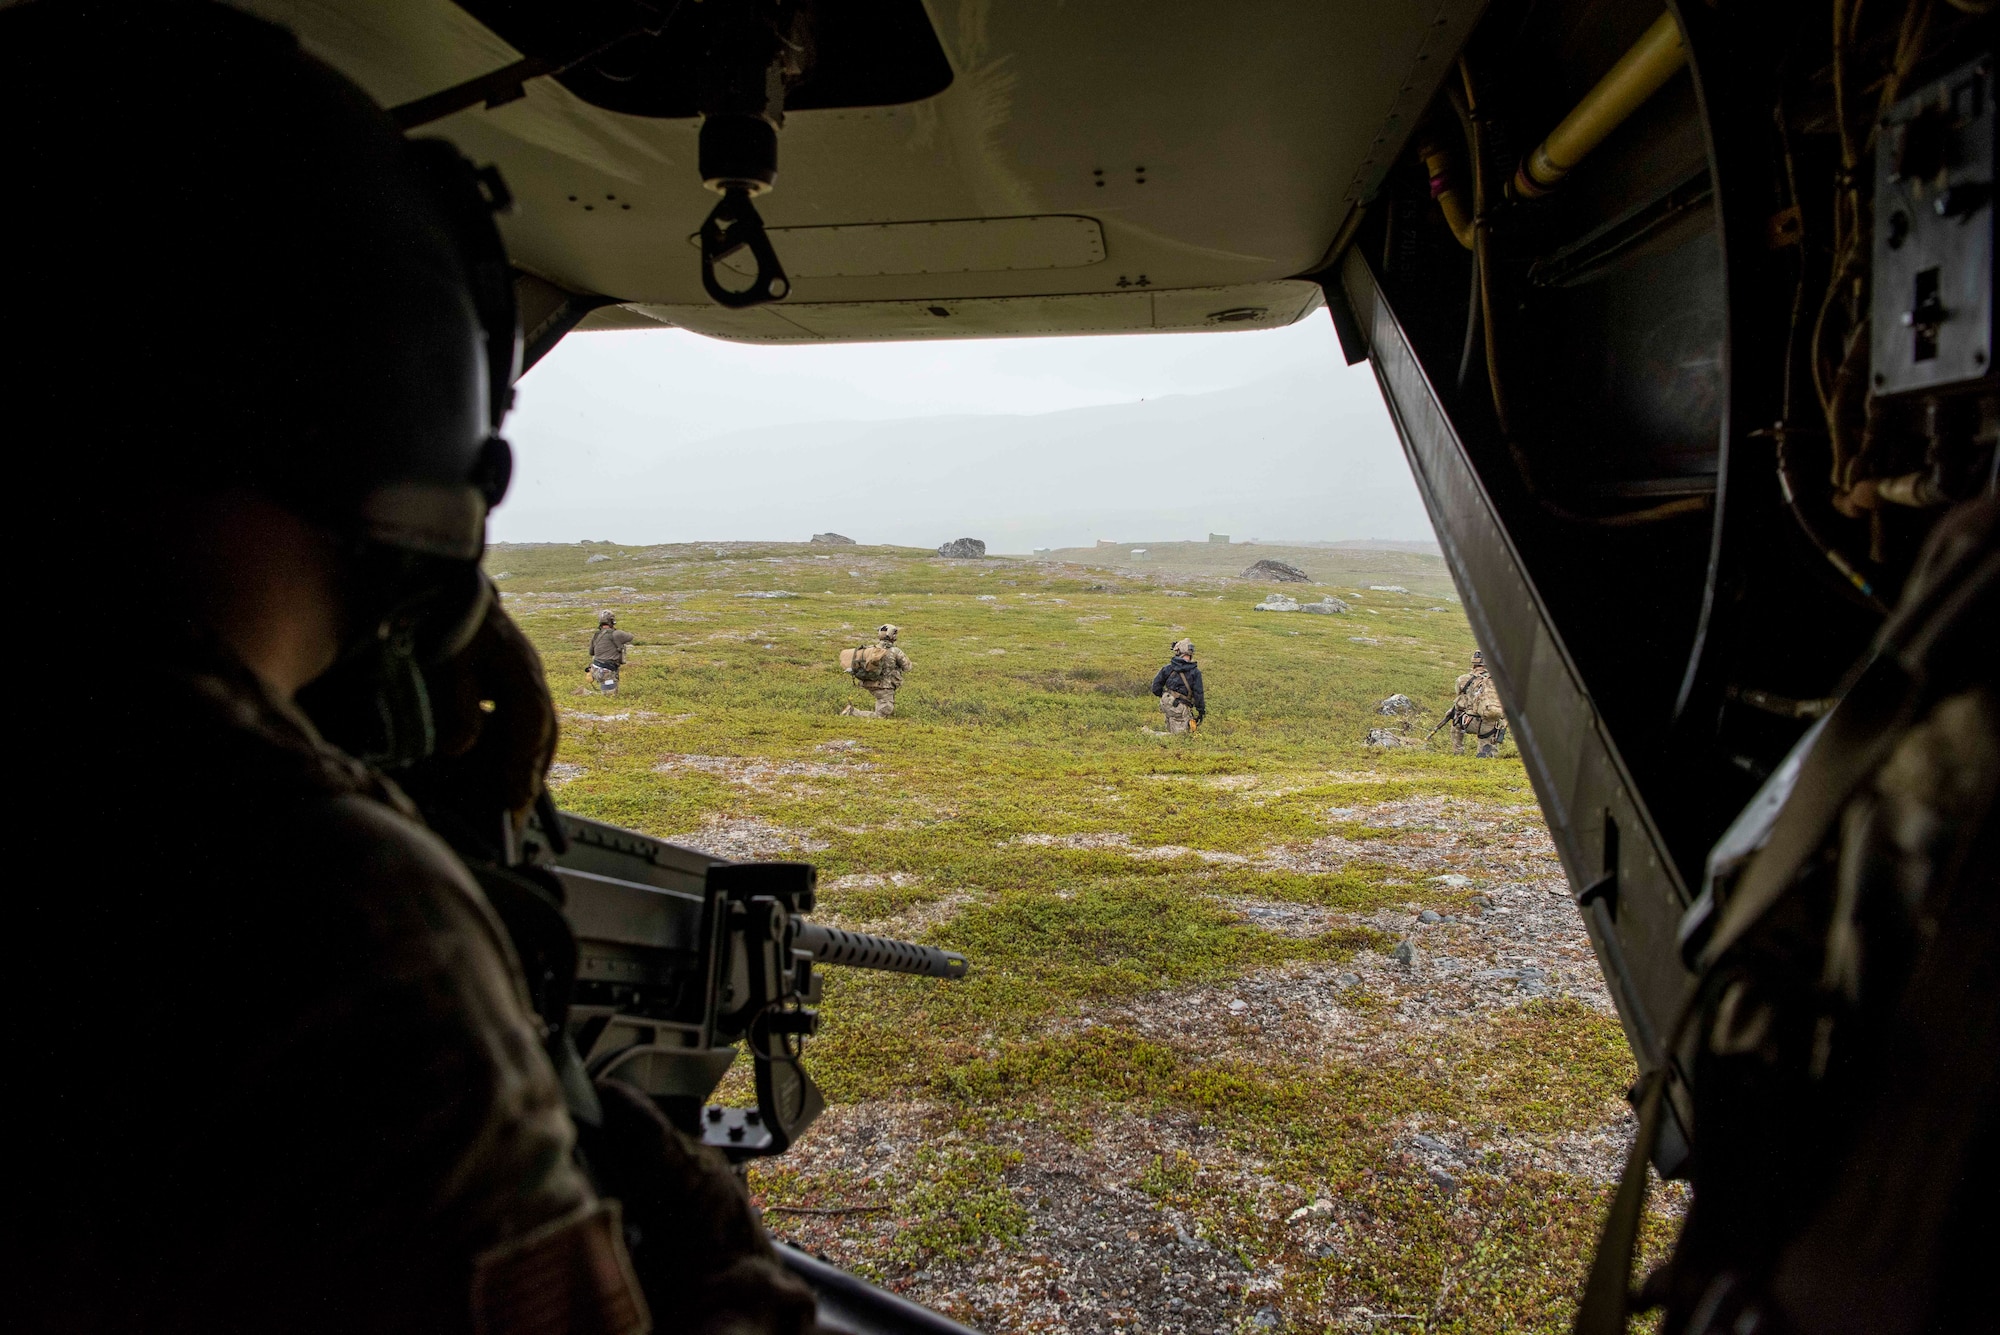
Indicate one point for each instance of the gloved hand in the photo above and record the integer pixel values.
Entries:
(496, 734)
(701, 1256)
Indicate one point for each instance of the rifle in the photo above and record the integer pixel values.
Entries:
(681, 958)
(1451, 714)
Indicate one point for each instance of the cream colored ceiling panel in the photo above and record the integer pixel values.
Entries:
(1214, 146)
(947, 246)
(1252, 306)
(1247, 306)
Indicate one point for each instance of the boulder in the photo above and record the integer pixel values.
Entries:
(1277, 602)
(1277, 570)
(1389, 737)
(832, 540)
(963, 548)
(1398, 706)
(593, 560)
(1328, 606)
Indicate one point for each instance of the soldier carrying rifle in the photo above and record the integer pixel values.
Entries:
(1477, 712)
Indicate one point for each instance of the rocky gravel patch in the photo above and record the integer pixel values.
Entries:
(758, 775)
(1100, 1252)
(746, 838)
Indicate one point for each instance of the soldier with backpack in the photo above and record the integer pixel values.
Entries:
(1178, 685)
(879, 668)
(1477, 712)
(607, 653)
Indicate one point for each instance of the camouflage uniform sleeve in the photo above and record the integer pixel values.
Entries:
(407, 1055)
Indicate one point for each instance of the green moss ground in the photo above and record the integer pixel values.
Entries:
(1027, 714)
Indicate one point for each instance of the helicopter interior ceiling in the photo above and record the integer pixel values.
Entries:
(1035, 168)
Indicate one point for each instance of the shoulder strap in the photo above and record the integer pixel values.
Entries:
(1607, 1295)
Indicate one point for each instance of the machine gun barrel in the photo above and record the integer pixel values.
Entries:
(859, 950)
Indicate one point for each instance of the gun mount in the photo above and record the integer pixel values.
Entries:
(684, 959)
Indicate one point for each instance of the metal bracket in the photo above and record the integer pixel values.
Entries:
(733, 224)
(1605, 888)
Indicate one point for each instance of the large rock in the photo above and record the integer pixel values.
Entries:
(1327, 606)
(1278, 570)
(1399, 706)
(1389, 737)
(832, 540)
(963, 547)
(1277, 602)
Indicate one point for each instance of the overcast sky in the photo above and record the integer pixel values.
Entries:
(666, 436)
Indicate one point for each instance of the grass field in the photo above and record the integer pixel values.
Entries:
(1266, 1029)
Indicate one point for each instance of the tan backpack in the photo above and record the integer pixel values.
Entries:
(868, 663)
(1486, 700)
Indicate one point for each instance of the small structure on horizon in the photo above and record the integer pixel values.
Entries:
(1222, 538)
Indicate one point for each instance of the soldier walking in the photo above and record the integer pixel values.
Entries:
(1178, 685)
(879, 668)
(607, 652)
(1477, 712)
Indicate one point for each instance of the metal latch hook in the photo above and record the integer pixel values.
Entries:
(731, 226)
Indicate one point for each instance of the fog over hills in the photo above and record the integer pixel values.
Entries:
(1297, 454)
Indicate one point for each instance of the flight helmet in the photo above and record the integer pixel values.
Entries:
(320, 309)
(244, 278)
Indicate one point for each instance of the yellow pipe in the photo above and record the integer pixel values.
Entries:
(1639, 73)
(1446, 191)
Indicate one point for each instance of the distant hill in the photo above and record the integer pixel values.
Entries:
(1416, 566)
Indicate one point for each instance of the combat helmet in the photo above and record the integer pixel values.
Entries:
(1185, 648)
(607, 618)
(886, 631)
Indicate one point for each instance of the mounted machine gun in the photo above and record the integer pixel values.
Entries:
(682, 959)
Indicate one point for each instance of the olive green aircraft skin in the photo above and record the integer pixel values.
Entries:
(1113, 167)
